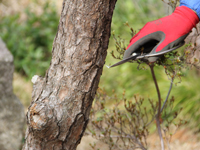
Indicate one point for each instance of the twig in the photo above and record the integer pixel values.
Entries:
(121, 136)
(167, 140)
(159, 107)
(170, 88)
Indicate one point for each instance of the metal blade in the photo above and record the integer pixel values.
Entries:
(123, 61)
(166, 51)
(139, 56)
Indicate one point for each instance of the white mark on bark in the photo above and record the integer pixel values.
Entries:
(34, 79)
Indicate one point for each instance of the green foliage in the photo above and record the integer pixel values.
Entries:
(174, 65)
(138, 80)
(30, 41)
(137, 13)
(130, 13)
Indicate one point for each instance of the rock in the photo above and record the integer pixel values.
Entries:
(12, 117)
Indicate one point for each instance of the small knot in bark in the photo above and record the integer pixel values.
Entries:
(38, 118)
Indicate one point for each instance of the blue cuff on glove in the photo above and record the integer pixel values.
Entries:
(192, 4)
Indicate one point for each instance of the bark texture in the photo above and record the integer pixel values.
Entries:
(194, 41)
(61, 102)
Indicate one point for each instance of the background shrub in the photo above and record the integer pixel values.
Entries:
(30, 41)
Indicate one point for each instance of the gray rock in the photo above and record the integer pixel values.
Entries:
(12, 117)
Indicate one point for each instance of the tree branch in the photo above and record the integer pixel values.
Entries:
(159, 106)
(170, 88)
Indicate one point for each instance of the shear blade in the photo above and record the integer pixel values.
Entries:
(124, 60)
(139, 56)
(166, 51)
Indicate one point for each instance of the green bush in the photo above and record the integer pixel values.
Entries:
(128, 77)
(30, 41)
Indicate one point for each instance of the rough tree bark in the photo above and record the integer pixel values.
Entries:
(61, 102)
(194, 40)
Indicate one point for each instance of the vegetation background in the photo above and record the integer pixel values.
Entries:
(28, 27)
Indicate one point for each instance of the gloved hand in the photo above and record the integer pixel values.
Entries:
(165, 33)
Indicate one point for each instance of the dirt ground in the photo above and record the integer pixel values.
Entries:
(182, 140)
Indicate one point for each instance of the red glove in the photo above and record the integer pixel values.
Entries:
(163, 34)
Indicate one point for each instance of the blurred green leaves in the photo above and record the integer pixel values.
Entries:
(137, 13)
(134, 81)
(30, 40)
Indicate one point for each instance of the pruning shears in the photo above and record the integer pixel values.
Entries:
(141, 55)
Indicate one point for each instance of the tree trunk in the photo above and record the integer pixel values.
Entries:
(61, 102)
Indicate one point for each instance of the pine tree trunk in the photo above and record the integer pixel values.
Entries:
(61, 102)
